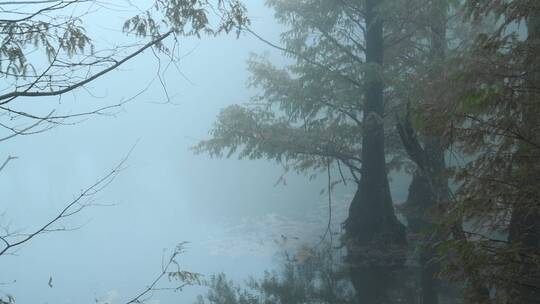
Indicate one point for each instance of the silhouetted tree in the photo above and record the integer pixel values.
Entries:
(487, 115)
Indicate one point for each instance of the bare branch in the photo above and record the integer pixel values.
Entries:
(8, 159)
(75, 206)
(185, 278)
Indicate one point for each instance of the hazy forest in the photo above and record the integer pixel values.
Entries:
(270, 151)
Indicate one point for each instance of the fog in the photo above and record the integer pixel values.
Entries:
(165, 194)
(278, 151)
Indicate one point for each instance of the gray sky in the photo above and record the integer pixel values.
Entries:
(229, 210)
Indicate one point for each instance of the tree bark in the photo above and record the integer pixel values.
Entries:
(421, 198)
(374, 236)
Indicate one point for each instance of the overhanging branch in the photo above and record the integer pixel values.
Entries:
(10, 96)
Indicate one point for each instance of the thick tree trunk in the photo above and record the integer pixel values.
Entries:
(374, 236)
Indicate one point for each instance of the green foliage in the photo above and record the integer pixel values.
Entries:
(187, 18)
(64, 34)
(176, 274)
(224, 291)
(310, 110)
(478, 97)
(260, 134)
(491, 116)
(311, 275)
(55, 32)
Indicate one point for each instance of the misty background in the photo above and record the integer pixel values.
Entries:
(233, 214)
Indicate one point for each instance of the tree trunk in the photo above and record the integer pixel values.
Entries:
(374, 236)
(429, 186)
(421, 198)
